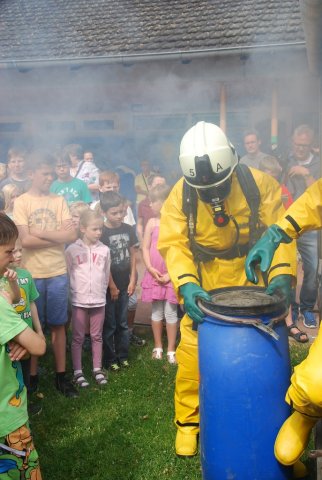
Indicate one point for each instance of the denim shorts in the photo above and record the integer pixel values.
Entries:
(53, 300)
(133, 303)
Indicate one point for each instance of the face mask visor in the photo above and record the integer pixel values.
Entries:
(215, 194)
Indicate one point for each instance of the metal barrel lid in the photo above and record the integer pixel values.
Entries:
(243, 301)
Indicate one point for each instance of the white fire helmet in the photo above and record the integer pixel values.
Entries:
(207, 158)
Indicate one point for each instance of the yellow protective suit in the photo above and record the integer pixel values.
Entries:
(305, 392)
(174, 246)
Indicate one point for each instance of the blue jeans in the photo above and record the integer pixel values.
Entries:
(307, 245)
(115, 330)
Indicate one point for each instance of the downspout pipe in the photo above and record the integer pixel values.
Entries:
(130, 59)
(311, 11)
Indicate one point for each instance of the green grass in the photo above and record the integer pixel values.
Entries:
(299, 352)
(122, 431)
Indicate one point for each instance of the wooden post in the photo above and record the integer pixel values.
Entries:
(223, 108)
(274, 120)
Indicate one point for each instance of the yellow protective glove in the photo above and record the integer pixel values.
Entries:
(263, 251)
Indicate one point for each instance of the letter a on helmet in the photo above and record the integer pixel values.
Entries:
(207, 158)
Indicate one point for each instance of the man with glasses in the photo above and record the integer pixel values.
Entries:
(303, 170)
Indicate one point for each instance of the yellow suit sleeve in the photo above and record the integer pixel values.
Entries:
(173, 242)
(305, 214)
(270, 210)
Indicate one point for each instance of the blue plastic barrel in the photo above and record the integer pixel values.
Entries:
(244, 374)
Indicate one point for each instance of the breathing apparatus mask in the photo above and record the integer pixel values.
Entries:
(208, 159)
(215, 196)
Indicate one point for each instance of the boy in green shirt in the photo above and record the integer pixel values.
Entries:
(27, 309)
(17, 452)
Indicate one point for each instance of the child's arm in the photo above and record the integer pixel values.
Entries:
(30, 241)
(132, 284)
(67, 233)
(114, 291)
(27, 340)
(139, 229)
(69, 260)
(146, 250)
(21, 218)
(11, 275)
(107, 268)
(35, 319)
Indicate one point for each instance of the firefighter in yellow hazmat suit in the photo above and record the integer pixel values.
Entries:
(305, 391)
(210, 252)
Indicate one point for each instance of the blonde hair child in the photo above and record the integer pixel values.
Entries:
(88, 264)
(10, 193)
(76, 209)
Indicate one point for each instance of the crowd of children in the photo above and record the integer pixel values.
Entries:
(79, 273)
(71, 246)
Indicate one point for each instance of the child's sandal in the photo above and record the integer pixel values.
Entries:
(157, 353)
(80, 380)
(171, 356)
(100, 377)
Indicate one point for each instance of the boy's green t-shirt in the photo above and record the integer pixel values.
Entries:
(13, 398)
(28, 294)
(75, 190)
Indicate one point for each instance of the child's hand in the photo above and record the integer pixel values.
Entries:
(165, 279)
(114, 291)
(131, 288)
(155, 273)
(17, 352)
(11, 275)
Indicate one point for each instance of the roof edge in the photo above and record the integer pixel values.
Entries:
(181, 55)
